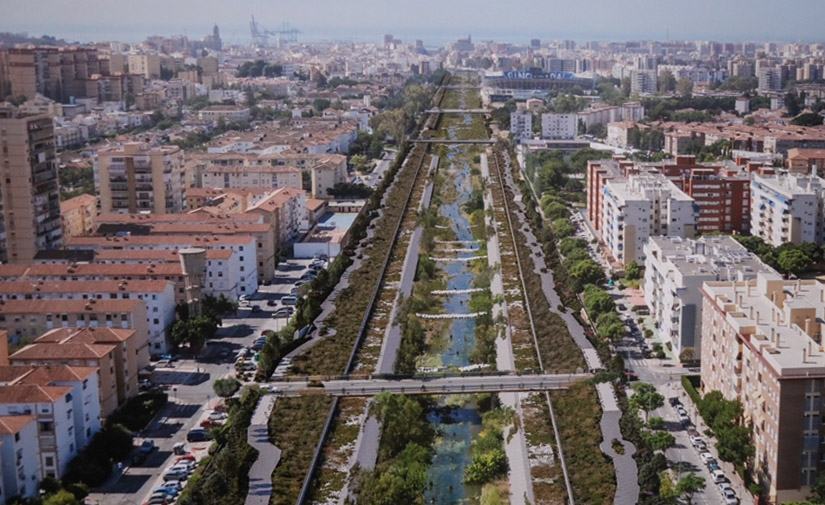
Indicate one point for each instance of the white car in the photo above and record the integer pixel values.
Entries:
(730, 497)
(705, 457)
(718, 476)
(724, 486)
(217, 416)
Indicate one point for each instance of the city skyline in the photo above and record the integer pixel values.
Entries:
(363, 21)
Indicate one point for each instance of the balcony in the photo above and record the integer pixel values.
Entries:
(47, 441)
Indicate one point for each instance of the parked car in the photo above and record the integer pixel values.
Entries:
(180, 448)
(684, 419)
(256, 308)
(289, 300)
(162, 493)
(173, 484)
(145, 385)
(217, 416)
(197, 435)
(270, 303)
(712, 465)
(164, 363)
(695, 440)
(147, 446)
(705, 457)
(674, 401)
(730, 497)
(630, 375)
(176, 475)
(723, 486)
(718, 476)
(168, 490)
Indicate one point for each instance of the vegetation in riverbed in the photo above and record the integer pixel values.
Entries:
(404, 455)
(591, 472)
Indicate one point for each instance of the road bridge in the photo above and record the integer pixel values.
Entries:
(458, 111)
(430, 385)
(453, 141)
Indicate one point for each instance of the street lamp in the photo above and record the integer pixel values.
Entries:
(175, 394)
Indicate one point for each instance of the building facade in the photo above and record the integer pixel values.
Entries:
(640, 207)
(788, 208)
(28, 187)
(136, 177)
(761, 343)
(79, 216)
(559, 126)
(675, 269)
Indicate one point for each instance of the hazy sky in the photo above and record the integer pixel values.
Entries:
(434, 21)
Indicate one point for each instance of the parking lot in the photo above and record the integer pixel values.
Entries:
(188, 382)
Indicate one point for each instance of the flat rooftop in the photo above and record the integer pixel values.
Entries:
(332, 227)
(776, 330)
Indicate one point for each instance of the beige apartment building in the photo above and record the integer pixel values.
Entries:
(762, 345)
(115, 352)
(325, 176)
(135, 177)
(147, 65)
(79, 216)
(56, 73)
(26, 320)
(29, 193)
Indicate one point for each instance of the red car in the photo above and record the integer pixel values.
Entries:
(630, 375)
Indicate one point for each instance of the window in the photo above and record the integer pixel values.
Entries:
(46, 426)
(49, 460)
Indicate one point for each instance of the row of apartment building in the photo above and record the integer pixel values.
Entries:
(56, 392)
(627, 203)
(759, 338)
(566, 126)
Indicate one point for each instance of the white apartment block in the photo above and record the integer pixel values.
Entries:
(52, 407)
(559, 126)
(521, 124)
(788, 208)
(643, 206)
(229, 113)
(159, 297)
(762, 345)
(242, 271)
(252, 176)
(676, 268)
(643, 81)
(604, 114)
(19, 457)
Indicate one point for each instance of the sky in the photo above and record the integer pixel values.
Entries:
(434, 21)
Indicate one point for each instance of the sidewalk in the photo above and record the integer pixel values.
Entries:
(627, 486)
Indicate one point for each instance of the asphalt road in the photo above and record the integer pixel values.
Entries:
(189, 385)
